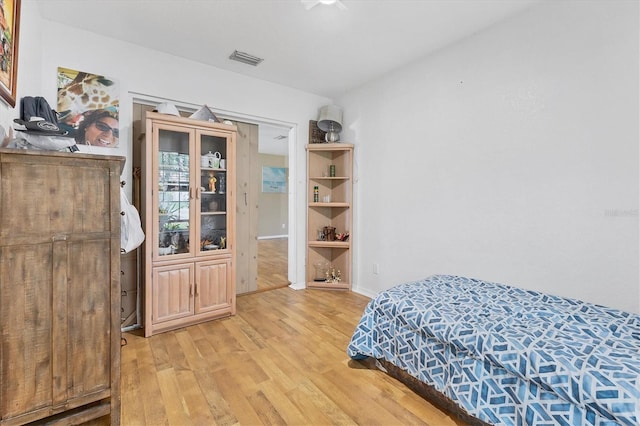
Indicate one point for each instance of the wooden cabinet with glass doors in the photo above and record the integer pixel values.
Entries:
(188, 199)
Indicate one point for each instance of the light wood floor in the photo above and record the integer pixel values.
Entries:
(281, 360)
(272, 263)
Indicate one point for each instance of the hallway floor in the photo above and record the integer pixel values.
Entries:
(272, 263)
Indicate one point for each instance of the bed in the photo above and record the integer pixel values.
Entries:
(506, 355)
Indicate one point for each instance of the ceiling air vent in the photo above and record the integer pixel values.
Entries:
(280, 137)
(245, 58)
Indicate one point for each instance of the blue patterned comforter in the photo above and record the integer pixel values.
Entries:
(508, 355)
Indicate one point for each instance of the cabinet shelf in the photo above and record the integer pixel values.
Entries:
(184, 188)
(330, 244)
(338, 178)
(329, 286)
(332, 204)
(173, 168)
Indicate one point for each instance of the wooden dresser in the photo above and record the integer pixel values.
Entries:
(59, 287)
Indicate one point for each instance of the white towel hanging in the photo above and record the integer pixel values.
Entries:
(131, 233)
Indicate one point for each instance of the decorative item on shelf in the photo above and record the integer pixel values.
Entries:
(321, 234)
(205, 114)
(315, 134)
(210, 160)
(329, 233)
(316, 194)
(205, 160)
(223, 163)
(214, 162)
(213, 206)
(223, 242)
(332, 170)
(207, 245)
(212, 183)
(163, 251)
(333, 276)
(321, 271)
(326, 198)
(167, 108)
(330, 120)
(222, 187)
(182, 245)
(342, 236)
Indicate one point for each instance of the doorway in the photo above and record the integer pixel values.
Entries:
(273, 202)
(262, 206)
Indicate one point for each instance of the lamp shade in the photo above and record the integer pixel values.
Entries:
(330, 119)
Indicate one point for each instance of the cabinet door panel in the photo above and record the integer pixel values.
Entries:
(213, 286)
(25, 328)
(88, 317)
(173, 165)
(214, 194)
(173, 292)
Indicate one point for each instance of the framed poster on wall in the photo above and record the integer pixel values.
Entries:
(88, 107)
(9, 36)
(274, 179)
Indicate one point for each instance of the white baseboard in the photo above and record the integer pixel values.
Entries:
(297, 286)
(273, 237)
(364, 292)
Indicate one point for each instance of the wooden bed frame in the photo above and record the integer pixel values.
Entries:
(426, 391)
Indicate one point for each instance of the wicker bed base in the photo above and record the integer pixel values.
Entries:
(425, 391)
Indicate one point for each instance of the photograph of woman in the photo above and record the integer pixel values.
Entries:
(98, 127)
(88, 107)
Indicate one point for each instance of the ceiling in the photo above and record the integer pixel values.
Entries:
(324, 50)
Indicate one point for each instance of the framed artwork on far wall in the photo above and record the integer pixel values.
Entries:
(274, 179)
(9, 37)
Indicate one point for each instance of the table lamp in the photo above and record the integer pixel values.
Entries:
(330, 121)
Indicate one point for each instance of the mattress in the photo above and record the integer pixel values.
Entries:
(506, 355)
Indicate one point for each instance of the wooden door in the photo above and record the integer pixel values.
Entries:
(172, 292)
(247, 185)
(25, 326)
(214, 206)
(213, 286)
(87, 318)
(172, 181)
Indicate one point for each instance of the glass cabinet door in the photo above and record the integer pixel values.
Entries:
(213, 192)
(173, 189)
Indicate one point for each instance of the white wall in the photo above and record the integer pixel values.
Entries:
(45, 45)
(511, 156)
